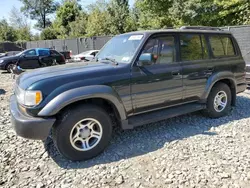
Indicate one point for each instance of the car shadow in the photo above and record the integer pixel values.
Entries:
(2, 91)
(151, 137)
(5, 72)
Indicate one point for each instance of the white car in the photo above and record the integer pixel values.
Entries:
(85, 56)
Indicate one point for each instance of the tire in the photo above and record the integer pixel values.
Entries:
(69, 135)
(214, 110)
(9, 67)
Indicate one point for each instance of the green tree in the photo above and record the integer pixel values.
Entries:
(233, 12)
(39, 10)
(7, 33)
(118, 11)
(24, 34)
(162, 13)
(98, 20)
(19, 22)
(78, 27)
(154, 14)
(35, 37)
(49, 33)
(132, 21)
(67, 13)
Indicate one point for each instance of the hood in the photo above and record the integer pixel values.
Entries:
(9, 58)
(63, 73)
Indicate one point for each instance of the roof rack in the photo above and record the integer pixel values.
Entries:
(201, 28)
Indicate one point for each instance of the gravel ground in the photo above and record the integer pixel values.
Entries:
(186, 151)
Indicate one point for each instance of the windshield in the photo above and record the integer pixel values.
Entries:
(121, 48)
(18, 54)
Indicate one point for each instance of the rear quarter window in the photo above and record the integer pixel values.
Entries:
(222, 46)
(53, 52)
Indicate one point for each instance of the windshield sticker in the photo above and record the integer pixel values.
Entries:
(125, 59)
(135, 37)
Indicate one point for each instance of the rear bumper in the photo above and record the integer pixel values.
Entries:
(27, 126)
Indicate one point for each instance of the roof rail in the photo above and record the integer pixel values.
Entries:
(201, 28)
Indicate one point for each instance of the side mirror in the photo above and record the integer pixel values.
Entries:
(145, 59)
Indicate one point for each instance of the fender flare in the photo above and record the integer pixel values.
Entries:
(213, 79)
(87, 92)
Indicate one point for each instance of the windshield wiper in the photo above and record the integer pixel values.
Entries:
(109, 59)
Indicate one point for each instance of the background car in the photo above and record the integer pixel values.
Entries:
(85, 56)
(2, 55)
(10, 53)
(32, 59)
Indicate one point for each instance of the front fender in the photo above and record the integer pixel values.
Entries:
(213, 79)
(81, 93)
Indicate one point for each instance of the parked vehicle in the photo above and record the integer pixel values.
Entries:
(32, 59)
(85, 56)
(2, 55)
(10, 53)
(66, 54)
(137, 78)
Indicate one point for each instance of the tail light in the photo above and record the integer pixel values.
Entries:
(63, 58)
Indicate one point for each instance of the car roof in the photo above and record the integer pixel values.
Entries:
(149, 32)
(42, 49)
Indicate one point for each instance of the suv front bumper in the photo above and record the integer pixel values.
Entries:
(27, 126)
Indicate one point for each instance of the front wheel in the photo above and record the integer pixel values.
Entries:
(219, 101)
(82, 132)
(9, 67)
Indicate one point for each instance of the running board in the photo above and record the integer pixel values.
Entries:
(159, 115)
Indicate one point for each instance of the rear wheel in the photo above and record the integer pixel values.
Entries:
(219, 101)
(83, 132)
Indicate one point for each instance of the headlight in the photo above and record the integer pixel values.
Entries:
(1, 61)
(28, 98)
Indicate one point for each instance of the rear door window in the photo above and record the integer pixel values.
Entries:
(221, 46)
(43, 52)
(192, 47)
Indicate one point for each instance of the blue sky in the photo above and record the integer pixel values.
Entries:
(6, 6)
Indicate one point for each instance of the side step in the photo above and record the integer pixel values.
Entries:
(159, 115)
